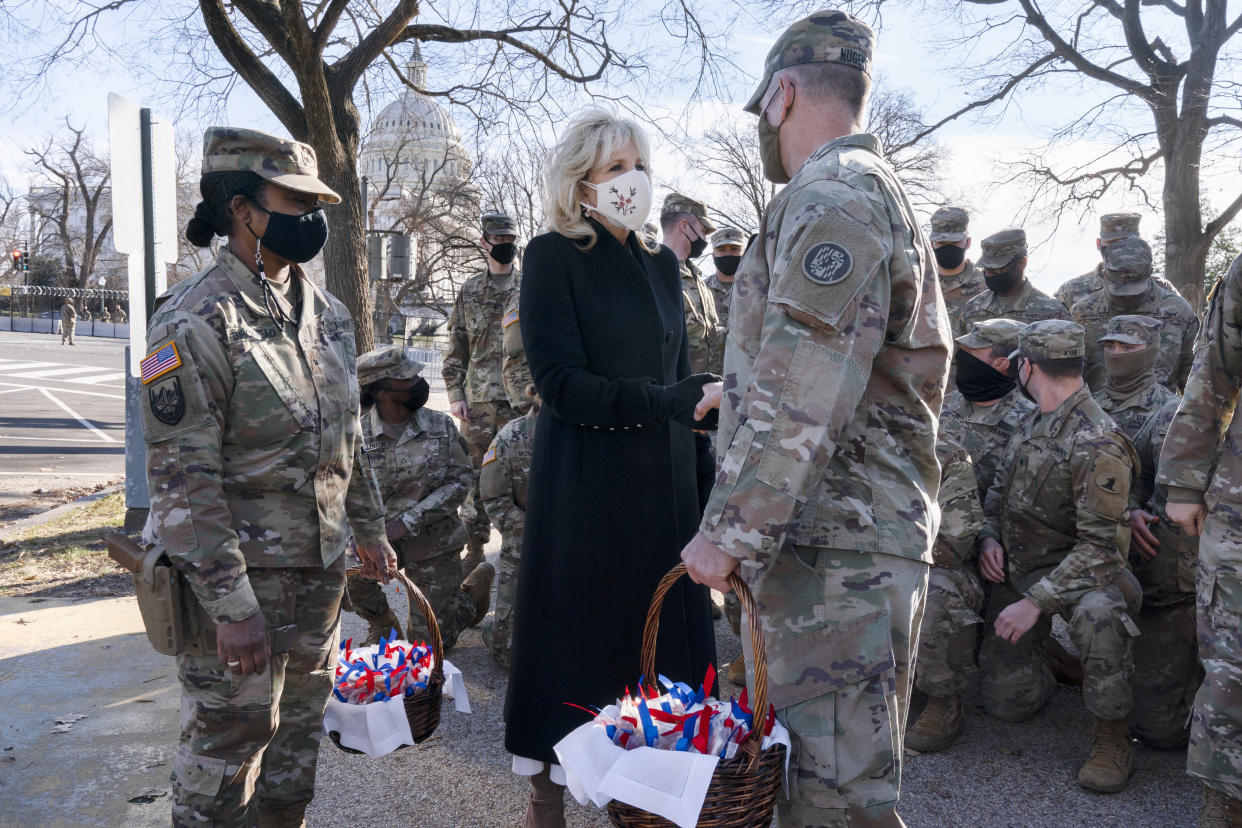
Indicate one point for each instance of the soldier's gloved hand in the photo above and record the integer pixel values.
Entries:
(992, 560)
(677, 402)
(1144, 541)
(243, 645)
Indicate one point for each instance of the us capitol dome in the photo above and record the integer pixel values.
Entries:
(417, 135)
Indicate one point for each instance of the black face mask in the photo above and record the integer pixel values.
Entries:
(697, 246)
(417, 397)
(1003, 281)
(949, 256)
(980, 382)
(504, 252)
(295, 238)
(727, 264)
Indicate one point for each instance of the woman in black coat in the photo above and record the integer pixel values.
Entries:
(612, 497)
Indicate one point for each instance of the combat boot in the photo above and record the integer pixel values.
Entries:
(939, 725)
(1111, 762)
(478, 585)
(379, 627)
(546, 808)
(736, 671)
(1219, 810)
(474, 553)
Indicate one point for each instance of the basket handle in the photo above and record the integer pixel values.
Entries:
(417, 597)
(759, 704)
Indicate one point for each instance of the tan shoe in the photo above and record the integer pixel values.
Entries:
(939, 725)
(478, 585)
(1111, 762)
(1219, 810)
(735, 671)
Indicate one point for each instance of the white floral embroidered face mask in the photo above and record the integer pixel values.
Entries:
(624, 200)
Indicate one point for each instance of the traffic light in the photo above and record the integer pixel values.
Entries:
(377, 257)
(399, 259)
(25, 260)
(18, 255)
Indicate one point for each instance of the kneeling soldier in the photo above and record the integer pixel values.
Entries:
(1056, 541)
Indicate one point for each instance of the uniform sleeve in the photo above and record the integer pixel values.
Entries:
(364, 505)
(961, 516)
(1102, 471)
(457, 358)
(514, 370)
(442, 501)
(994, 500)
(496, 490)
(1189, 334)
(1190, 447)
(826, 319)
(183, 423)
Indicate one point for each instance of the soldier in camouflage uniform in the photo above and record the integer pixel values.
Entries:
(1008, 294)
(987, 408)
(1113, 227)
(1055, 543)
(1129, 289)
(502, 482)
(728, 244)
(250, 415)
(424, 474)
(1166, 668)
(473, 367)
(960, 279)
(1201, 470)
(685, 227)
(68, 322)
(825, 502)
(514, 370)
(949, 631)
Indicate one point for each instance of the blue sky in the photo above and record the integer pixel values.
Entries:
(909, 55)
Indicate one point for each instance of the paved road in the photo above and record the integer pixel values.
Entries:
(62, 413)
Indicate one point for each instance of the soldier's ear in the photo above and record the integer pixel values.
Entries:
(1001, 364)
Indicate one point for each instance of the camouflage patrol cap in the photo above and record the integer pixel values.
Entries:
(949, 224)
(387, 362)
(1051, 339)
(1127, 266)
(728, 235)
(282, 161)
(677, 203)
(827, 36)
(651, 232)
(1001, 248)
(1114, 226)
(988, 333)
(498, 224)
(1131, 329)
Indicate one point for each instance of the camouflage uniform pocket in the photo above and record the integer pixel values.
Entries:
(203, 775)
(804, 666)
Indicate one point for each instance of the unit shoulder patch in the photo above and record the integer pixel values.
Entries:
(167, 401)
(827, 263)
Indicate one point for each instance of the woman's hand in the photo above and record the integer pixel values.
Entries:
(712, 393)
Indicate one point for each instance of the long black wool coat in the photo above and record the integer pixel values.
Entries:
(612, 496)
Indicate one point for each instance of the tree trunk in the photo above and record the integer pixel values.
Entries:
(345, 256)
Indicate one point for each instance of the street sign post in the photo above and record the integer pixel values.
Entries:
(144, 227)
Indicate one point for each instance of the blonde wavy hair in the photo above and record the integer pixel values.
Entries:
(591, 138)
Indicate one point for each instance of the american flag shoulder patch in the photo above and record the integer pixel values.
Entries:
(159, 362)
(510, 318)
(489, 457)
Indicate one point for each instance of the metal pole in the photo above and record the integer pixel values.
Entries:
(148, 209)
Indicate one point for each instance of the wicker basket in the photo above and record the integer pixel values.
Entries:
(423, 708)
(743, 790)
